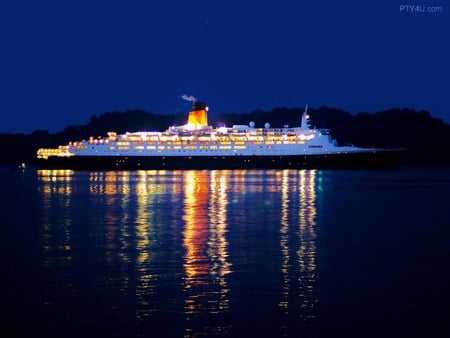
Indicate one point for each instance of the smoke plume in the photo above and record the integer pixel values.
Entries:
(189, 98)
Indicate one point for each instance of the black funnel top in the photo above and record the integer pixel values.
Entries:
(199, 106)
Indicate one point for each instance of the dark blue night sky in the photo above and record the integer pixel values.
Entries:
(64, 61)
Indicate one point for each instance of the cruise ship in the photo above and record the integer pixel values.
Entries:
(196, 145)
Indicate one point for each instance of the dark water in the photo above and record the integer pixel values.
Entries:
(226, 253)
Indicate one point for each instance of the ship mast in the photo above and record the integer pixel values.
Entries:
(305, 120)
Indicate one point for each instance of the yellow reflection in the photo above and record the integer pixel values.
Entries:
(46, 175)
(57, 188)
(55, 182)
(145, 242)
(142, 220)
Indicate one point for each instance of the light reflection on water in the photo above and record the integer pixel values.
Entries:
(304, 204)
(174, 242)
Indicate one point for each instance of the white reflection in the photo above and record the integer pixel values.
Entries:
(218, 244)
(297, 239)
(307, 246)
(284, 242)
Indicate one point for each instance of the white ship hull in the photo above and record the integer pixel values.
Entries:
(198, 146)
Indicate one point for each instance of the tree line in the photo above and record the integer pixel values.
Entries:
(427, 139)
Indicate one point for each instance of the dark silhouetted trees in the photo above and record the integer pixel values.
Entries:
(426, 138)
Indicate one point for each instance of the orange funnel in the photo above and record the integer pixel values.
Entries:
(198, 117)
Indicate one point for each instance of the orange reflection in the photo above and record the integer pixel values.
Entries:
(204, 238)
(196, 228)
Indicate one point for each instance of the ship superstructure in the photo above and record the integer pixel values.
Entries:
(196, 145)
